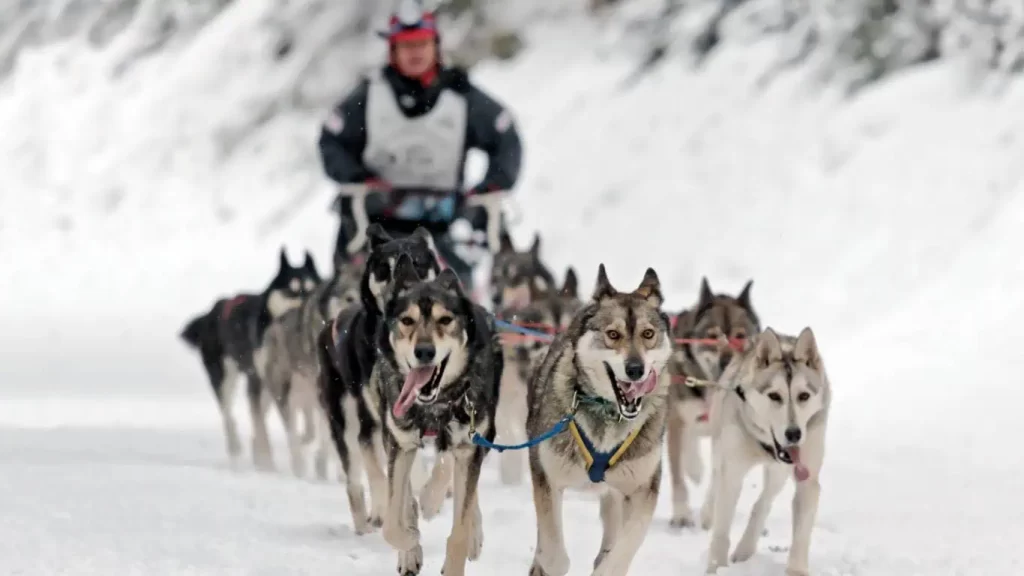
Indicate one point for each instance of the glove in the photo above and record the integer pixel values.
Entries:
(482, 188)
(377, 184)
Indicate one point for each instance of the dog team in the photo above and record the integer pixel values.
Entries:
(389, 355)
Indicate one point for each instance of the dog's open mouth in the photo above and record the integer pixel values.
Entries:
(791, 455)
(630, 394)
(422, 385)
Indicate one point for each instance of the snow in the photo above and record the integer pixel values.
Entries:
(891, 223)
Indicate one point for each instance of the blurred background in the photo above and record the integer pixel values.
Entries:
(859, 159)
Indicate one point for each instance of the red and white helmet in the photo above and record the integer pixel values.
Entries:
(411, 21)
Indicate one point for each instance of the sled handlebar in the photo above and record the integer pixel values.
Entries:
(491, 203)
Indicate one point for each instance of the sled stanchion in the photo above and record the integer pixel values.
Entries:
(358, 193)
(491, 203)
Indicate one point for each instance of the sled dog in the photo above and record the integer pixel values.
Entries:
(606, 380)
(772, 409)
(291, 364)
(437, 375)
(346, 353)
(715, 317)
(230, 339)
(516, 277)
(549, 313)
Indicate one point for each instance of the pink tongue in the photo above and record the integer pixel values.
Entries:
(414, 382)
(633, 390)
(799, 470)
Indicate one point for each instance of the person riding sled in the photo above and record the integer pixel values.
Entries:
(405, 133)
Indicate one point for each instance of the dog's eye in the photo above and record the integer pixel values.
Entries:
(740, 335)
(713, 333)
(444, 320)
(803, 397)
(647, 334)
(407, 321)
(775, 397)
(613, 334)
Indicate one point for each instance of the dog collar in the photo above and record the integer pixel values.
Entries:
(599, 462)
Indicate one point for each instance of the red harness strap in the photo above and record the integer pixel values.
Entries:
(230, 305)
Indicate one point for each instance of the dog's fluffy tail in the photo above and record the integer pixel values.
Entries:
(193, 332)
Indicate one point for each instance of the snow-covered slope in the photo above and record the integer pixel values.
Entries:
(890, 223)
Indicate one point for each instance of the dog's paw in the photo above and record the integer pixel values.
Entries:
(476, 542)
(791, 571)
(431, 499)
(320, 467)
(680, 521)
(718, 555)
(375, 521)
(536, 570)
(410, 562)
(706, 518)
(401, 539)
(744, 550)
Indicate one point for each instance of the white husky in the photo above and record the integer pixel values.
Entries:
(771, 409)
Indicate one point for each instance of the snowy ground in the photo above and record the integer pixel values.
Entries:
(891, 224)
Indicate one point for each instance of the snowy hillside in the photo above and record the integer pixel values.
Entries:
(130, 199)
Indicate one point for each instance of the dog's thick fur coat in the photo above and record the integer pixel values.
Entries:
(771, 409)
(608, 371)
(347, 352)
(437, 375)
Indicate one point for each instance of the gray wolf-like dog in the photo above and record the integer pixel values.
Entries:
(605, 379)
(549, 312)
(771, 408)
(437, 375)
(709, 331)
(290, 371)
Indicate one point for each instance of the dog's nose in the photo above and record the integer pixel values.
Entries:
(424, 353)
(793, 434)
(634, 369)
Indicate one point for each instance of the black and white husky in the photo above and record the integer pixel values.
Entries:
(230, 337)
(437, 375)
(347, 352)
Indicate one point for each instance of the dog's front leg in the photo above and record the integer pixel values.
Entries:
(400, 530)
(259, 404)
(805, 504)
(611, 523)
(682, 516)
(371, 448)
(550, 557)
(436, 488)
(510, 422)
(637, 512)
(774, 481)
(728, 477)
(465, 523)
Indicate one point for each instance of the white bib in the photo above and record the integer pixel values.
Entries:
(423, 152)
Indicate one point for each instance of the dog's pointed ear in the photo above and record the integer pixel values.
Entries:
(769, 349)
(684, 323)
(405, 273)
(310, 264)
(505, 246)
(571, 286)
(806, 349)
(603, 288)
(283, 263)
(650, 288)
(377, 236)
(706, 295)
(449, 280)
(535, 247)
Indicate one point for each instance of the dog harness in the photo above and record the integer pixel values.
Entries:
(599, 462)
(230, 305)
